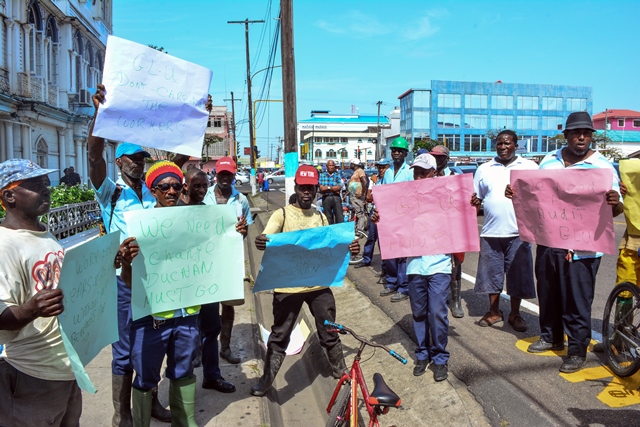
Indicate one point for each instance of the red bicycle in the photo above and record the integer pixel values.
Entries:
(343, 407)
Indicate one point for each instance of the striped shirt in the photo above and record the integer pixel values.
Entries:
(554, 160)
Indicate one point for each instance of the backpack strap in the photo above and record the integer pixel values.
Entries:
(114, 199)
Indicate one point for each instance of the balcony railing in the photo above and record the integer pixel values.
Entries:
(68, 221)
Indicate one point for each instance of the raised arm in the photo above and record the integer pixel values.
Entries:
(97, 164)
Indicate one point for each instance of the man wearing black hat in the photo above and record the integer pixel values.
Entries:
(566, 279)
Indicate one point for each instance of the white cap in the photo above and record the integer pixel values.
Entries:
(356, 161)
(425, 161)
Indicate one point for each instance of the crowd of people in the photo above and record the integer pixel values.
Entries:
(43, 390)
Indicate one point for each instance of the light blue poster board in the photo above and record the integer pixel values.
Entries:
(312, 257)
(89, 321)
(189, 255)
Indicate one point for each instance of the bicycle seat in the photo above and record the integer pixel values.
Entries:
(382, 395)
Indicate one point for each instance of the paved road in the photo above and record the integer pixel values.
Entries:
(517, 388)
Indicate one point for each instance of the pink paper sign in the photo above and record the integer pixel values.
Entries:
(565, 208)
(427, 217)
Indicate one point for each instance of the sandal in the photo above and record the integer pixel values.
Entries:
(518, 323)
(488, 320)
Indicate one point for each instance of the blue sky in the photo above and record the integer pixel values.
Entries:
(357, 52)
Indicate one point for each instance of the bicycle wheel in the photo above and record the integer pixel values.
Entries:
(361, 237)
(620, 329)
(338, 416)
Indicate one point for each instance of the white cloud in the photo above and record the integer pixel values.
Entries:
(420, 29)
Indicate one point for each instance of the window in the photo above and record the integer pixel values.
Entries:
(474, 143)
(551, 103)
(331, 139)
(42, 154)
(475, 101)
(422, 98)
(636, 123)
(317, 139)
(550, 143)
(527, 102)
(499, 121)
(527, 122)
(528, 143)
(476, 121)
(318, 154)
(449, 100)
(502, 102)
(448, 120)
(576, 104)
(450, 141)
(552, 123)
(421, 119)
(52, 46)
(344, 140)
(331, 154)
(217, 122)
(343, 153)
(78, 49)
(620, 123)
(34, 43)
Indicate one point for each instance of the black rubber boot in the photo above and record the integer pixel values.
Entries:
(121, 395)
(336, 360)
(456, 303)
(272, 363)
(225, 340)
(158, 411)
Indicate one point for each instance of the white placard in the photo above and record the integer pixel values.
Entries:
(153, 99)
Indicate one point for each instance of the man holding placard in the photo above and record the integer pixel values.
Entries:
(566, 278)
(37, 384)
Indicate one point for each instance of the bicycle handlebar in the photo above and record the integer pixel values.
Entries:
(343, 330)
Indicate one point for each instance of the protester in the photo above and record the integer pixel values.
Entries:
(172, 333)
(396, 280)
(65, 178)
(73, 178)
(287, 302)
(501, 250)
(128, 193)
(211, 324)
(37, 385)
(566, 278)
(357, 187)
(330, 188)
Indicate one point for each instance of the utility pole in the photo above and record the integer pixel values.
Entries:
(379, 103)
(252, 157)
(289, 96)
(233, 126)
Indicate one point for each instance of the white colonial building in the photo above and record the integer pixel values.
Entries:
(51, 58)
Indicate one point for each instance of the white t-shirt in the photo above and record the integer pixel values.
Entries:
(31, 261)
(489, 183)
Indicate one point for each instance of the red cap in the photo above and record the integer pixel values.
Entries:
(226, 164)
(307, 175)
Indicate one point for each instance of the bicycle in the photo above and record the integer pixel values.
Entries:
(343, 406)
(621, 329)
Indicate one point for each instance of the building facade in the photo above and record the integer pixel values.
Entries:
(220, 127)
(617, 120)
(464, 115)
(339, 137)
(51, 58)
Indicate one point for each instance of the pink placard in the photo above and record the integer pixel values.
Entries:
(565, 208)
(427, 217)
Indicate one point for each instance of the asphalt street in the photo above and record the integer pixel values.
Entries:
(517, 388)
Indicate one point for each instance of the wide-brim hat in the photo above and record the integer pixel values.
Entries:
(14, 170)
(579, 120)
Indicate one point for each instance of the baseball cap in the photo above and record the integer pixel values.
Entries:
(425, 161)
(439, 150)
(306, 175)
(14, 170)
(226, 164)
(355, 162)
(129, 149)
(383, 162)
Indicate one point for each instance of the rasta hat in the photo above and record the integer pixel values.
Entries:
(306, 175)
(226, 164)
(129, 149)
(18, 170)
(424, 161)
(161, 170)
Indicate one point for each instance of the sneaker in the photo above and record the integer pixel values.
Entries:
(541, 346)
(387, 291)
(421, 367)
(440, 372)
(573, 364)
(399, 297)
(362, 264)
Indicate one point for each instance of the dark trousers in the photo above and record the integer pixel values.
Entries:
(176, 337)
(286, 308)
(210, 326)
(367, 253)
(121, 349)
(396, 270)
(428, 297)
(332, 205)
(565, 293)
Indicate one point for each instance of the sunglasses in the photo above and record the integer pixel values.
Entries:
(165, 187)
(397, 150)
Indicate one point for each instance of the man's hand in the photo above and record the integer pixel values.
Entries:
(46, 303)
(261, 242)
(508, 192)
(129, 248)
(613, 198)
(241, 226)
(354, 247)
(623, 189)
(475, 201)
(375, 217)
(99, 97)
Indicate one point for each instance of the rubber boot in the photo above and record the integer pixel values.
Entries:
(182, 399)
(336, 360)
(456, 303)
(623, 307)
(272, 363)
(158, 411)
(121, 395)
(141, 407)
(225, 339)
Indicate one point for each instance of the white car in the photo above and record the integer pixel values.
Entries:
(277, 177)
(241, 178)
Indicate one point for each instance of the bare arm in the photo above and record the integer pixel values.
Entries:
(97, 164)
(46, 303)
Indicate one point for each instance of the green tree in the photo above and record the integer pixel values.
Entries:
(423, 143)
(159, 49)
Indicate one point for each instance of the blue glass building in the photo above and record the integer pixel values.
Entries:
(460, 114)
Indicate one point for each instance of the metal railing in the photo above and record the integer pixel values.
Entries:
(69, 220)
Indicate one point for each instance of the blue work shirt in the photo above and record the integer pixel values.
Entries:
(404, 174)
(128, 201)
(237, 198)
(428, 265)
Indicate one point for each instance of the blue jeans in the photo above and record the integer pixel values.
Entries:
(396, 271)
(210, 326)
(121, 349)
(428, 297)
(367, 252)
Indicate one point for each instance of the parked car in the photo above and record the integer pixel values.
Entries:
(242, 178)
(470, 168)
(277, 177)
